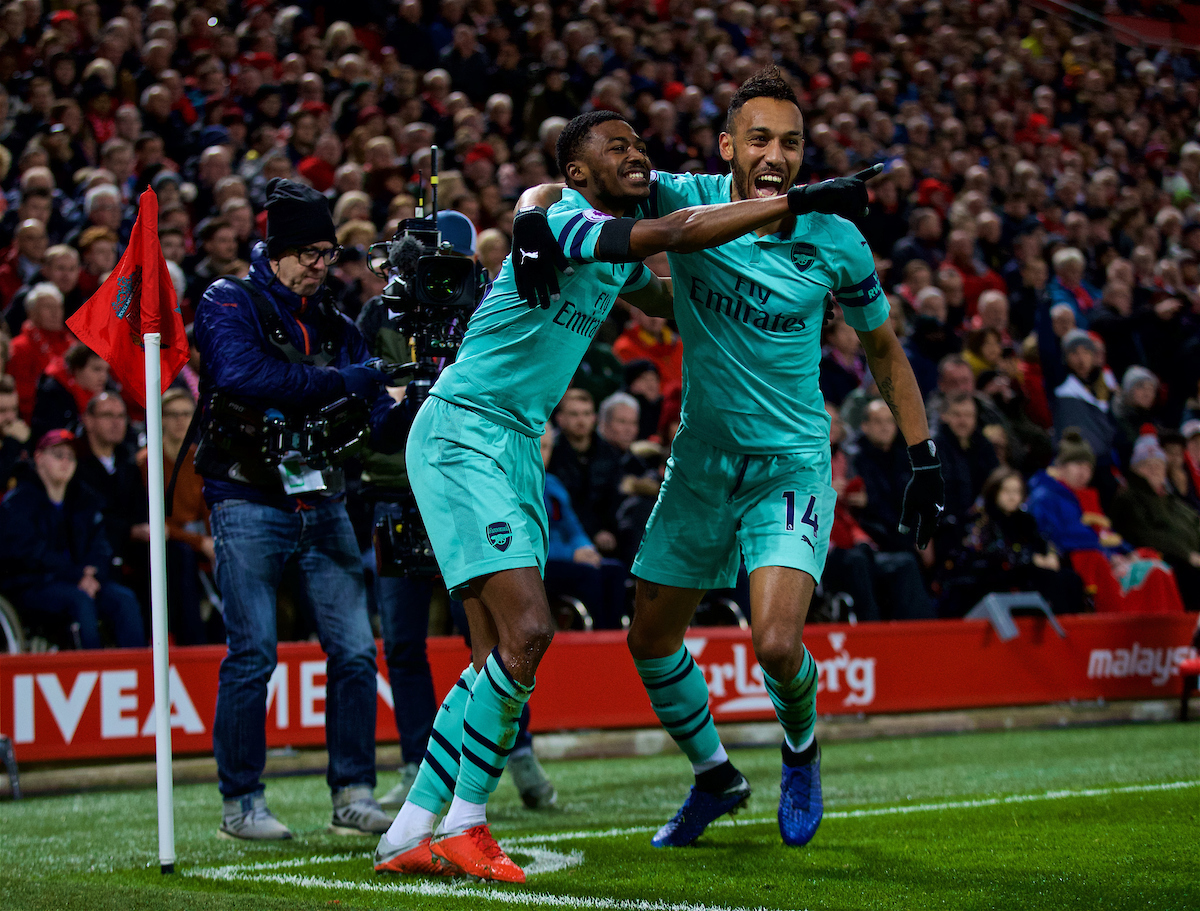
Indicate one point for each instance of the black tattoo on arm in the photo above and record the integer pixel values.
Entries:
(651, 591)
(887, 390)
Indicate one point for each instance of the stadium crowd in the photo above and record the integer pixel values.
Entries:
(1037, 228)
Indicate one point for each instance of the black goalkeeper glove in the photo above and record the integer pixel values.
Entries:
(925, 495)
(536, 258)
(844, 196)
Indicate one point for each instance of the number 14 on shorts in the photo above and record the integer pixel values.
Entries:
(809, 519)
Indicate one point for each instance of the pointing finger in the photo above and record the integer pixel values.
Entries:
(867, 173)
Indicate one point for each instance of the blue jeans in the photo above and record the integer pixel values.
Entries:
(253, 542)
(114, 604)
(403, 606)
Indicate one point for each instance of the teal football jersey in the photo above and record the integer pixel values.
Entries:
(516, 361)
(750, 313)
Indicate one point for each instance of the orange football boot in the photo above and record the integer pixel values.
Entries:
(475, 852)
(413, 858)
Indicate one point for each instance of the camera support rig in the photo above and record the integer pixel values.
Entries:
(430, 295)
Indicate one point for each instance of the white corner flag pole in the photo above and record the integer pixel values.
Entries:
(158, 604)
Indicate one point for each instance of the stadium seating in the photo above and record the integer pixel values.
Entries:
(1190, 672)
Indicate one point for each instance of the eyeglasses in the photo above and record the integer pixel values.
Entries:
(310, 256)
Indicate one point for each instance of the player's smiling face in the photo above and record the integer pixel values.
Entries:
(614, 172)
(765, 149)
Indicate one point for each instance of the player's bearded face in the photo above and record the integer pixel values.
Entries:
(766, 148)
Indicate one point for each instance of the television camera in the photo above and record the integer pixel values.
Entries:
(430, 295)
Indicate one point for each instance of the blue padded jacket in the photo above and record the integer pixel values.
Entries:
(238, 360)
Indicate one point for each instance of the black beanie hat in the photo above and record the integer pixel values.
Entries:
(635, 369)
(297, 216)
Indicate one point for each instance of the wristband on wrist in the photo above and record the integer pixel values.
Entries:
(797, 204)
(923, 455)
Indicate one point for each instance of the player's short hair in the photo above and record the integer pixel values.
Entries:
(575, 134)
(766, 83)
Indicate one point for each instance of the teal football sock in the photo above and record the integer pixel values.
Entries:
(489, 729)
(679, 696)
(434, 785)
(796, 703)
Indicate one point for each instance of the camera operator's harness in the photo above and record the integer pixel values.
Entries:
(279, 448)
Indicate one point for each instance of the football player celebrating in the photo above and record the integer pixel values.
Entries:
(749, 474)
(476, 471)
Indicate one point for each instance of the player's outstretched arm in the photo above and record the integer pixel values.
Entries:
(925, 495)
(700, 227)
(683, 231)
(537, 258)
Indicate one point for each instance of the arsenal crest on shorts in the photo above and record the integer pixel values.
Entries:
(499, 535)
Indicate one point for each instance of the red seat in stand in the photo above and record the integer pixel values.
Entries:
(1190, 672)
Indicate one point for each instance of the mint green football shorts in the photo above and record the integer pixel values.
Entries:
(480, 489)
(716, 508)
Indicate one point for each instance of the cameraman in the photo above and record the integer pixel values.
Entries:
(272, 343)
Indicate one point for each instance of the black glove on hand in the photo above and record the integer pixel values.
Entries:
(844, 196)
(363, 381)
(925, 495)
(536, 258)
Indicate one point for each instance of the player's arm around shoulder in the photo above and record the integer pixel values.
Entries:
(543, 196)
(654, 298)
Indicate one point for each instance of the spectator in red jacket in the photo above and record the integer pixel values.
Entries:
(976, 276)
(43, 338)
(647, 338)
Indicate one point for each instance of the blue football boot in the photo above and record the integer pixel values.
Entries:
(698, 811)
(800, 803)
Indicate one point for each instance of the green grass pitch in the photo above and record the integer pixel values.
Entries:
(1089, 818)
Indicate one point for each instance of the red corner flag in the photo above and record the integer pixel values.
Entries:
(137, 298)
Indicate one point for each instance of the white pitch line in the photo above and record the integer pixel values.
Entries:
(437, 889)
(874, 811)
(548, 861)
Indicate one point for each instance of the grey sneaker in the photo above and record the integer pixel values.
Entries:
(533, 784)
(394, 799)
(248, 817)
(355, 812)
